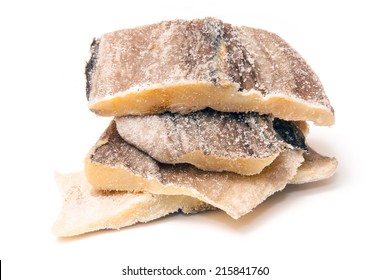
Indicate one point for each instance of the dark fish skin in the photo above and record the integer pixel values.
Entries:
(94, 49)
(290, 133)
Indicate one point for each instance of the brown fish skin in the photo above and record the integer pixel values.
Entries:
(185, 66)
(113, 164)
(243, 143)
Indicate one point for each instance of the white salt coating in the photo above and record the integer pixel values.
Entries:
(205, 51)
(233, 193)
(167, 137)
(86, 210)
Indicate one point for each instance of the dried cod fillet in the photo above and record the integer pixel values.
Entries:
(185, 66)
(212, 141)
(85, 210)
(113, 164)
(316, 167)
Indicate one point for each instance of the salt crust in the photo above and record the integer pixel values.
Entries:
(165, 66)
(210, 140)
(113, 164)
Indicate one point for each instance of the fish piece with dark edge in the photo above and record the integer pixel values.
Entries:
(185, 66)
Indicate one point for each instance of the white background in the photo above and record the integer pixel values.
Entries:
(336, 229)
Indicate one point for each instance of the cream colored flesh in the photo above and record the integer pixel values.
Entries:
(244, 166)
(316, 167)
(85, 210)
(184, 66)
(242, 143)
(113, 164)
(235, 194)
(194, 97)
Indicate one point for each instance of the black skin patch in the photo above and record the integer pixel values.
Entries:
(290, 133)
(91, 64)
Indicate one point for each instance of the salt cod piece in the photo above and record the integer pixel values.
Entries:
(185, 66)
(85, 210)
(316, 167)
(243, 143)
(113, 164)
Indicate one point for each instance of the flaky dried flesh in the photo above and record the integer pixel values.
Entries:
(85, 210)
(243, 143)
(185, 66)
(113, 164)
(316, 167)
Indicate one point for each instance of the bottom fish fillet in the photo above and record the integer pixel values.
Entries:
(85, 210)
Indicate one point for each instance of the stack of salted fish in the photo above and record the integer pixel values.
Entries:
(206, 115)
